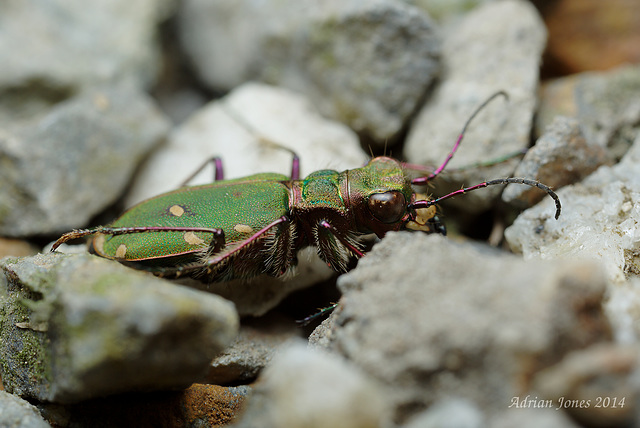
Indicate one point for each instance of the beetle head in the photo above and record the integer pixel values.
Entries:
(382, 196)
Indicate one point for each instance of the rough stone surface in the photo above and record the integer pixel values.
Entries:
(447, 11)
(495, 47)
(599, 221)
(560, 157)
(605, 104)
(17, 413)
(364, 63)
(62, 168)
(623, 308)
(464, 322)
(252, 350)
(76, 327)
(304, 388)
(599, 377)
(71, 45)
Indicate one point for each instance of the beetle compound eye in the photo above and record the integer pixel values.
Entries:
(388, 207)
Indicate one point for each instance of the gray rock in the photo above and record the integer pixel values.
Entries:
(446, 12)
(17, 413)
(595, 385)
(62, 168)
(623, 305)
(364, 63)
(599, 221)
(497, 46)
(305, 388)
(560, 157)
(257, 342)
(70, 45)
(432, 319)
(605, 104)
(76, 327)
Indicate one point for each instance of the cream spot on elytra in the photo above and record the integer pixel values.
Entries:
(192, 239)
(243, 228)
(176, 210)
(98, 244)
(121, 251)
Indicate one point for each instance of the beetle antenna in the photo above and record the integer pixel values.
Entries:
(431, 176)
(516, 180)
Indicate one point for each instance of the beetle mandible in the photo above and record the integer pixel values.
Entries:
(248, 226)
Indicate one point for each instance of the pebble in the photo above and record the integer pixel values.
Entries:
(63, 167)
(560, 157)
(595, 386)
(77, 327)
(364, 63)
(473, 70)
(69, 46)
(431, 318)
(252, 350)
(303, 388)
(18, 413)
(599, 222)
(604, 103)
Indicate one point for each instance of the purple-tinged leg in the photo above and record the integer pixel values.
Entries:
(219, 257)
(329, 227)
(295, 167)
(218, 170)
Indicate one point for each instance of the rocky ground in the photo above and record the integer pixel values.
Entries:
(514, 319)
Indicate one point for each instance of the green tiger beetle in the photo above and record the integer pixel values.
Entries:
(248, 226)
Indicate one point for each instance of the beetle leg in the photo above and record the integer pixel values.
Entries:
(127, 230)
(218, 170)
(295, 167)
(216, 258)
(321, 312)
(329, 251)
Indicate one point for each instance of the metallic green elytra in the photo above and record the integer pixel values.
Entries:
(255, 225)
